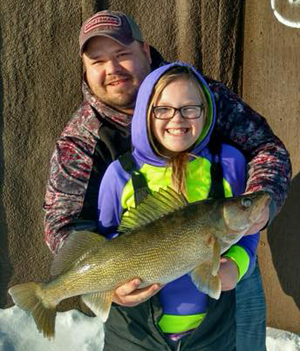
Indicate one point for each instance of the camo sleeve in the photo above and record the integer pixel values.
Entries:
(70, 168)
(269, 162)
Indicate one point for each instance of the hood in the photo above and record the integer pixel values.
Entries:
(142, 147)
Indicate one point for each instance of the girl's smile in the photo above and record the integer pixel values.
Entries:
(177, 133)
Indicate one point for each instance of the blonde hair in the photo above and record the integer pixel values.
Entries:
(178, 162)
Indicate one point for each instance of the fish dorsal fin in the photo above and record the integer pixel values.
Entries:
(76, 247)
(154, 206)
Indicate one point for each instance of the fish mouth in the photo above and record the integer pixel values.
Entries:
(243, 220)
(264, 202)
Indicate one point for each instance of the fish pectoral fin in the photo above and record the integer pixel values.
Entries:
(99, 303)
(205, 281)
(216, 257)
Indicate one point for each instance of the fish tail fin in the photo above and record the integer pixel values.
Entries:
(28, 297)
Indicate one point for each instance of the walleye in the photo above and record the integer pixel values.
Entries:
(162, 239)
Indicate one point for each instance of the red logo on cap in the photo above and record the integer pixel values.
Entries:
(102, 21)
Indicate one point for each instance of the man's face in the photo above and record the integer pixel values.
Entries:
(115, 72)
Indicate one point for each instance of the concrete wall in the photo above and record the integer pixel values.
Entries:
(39, 88)
(40, 74)
(271, 85)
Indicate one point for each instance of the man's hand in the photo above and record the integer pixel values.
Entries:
(228, 273)
(129, 295)
(261, 222)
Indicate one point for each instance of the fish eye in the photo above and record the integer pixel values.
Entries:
(246, 202)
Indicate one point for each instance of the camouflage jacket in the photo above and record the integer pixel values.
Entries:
(97, 134)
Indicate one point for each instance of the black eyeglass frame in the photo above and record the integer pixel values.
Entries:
(175, 109)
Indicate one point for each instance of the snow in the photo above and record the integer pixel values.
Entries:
(78, 332)
(74, 332)
(280, 340)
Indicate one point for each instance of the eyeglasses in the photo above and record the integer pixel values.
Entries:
(168, 112)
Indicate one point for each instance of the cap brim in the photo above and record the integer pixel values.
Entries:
(107, 34)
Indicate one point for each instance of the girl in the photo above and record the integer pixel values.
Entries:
(171, 134)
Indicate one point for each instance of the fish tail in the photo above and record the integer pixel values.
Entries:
(28, 297)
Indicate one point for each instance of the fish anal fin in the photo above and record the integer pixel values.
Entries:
(205, 281)
(75, 248)
(99, 303)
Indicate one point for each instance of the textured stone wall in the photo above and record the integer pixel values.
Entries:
(39, 87)
(40, 74)
(271, 85)
(207, 34)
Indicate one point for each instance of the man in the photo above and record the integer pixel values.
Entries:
(116, 59)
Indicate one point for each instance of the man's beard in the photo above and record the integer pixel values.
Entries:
(123, 99)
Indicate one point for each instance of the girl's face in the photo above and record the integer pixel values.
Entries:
(177, 134)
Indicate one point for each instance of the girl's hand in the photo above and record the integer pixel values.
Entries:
(228, 273)
(129, 295)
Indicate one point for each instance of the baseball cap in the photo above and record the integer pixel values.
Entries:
(111, 24)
